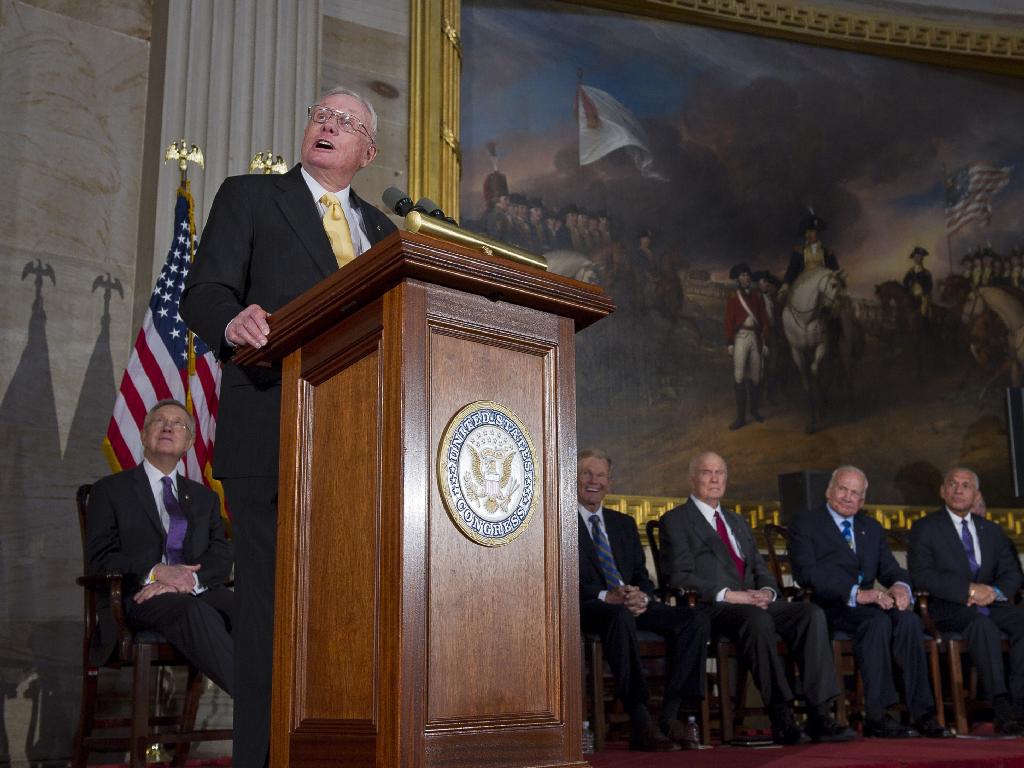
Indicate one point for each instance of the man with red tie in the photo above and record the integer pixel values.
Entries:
(970, 569)
(711, 550)
(165, 535)
(617, 598)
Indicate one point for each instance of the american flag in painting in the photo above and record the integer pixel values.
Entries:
(162, 365)
(969, 194)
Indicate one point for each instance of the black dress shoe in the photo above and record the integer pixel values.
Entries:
(651, 740)
(676, 730)
(1009, 727)
(826, 729)
(887, 728)
(784, 727)
(930, 728)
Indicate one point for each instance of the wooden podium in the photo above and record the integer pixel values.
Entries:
(399, 641)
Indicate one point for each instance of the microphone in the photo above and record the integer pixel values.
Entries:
(433, 209)
(398, 201)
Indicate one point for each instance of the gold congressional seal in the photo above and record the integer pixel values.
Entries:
(486, 472)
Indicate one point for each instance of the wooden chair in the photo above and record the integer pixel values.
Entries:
(720, 679)
(776, 538)
(140, 652)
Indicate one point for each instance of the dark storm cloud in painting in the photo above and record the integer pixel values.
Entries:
(749, 132)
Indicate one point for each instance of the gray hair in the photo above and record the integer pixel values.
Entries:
(695, 462)
(338, 91)
(190, 422)
(594, 453)
(848, 468)
(971, 472)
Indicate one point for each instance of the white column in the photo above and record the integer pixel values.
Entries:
(239, 75)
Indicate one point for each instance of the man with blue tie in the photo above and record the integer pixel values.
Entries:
(617, 598)
(970, 569)
(840, 553)
(165, 535)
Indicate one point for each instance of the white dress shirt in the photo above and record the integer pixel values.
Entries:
(709, 515)
(360, 242)
(155, 477)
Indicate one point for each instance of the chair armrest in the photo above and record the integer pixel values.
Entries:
(114, 581)
(921, 606)
(676, 596)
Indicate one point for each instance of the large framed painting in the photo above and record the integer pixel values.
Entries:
(815, 250)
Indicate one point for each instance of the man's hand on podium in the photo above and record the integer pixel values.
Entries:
(248, 328)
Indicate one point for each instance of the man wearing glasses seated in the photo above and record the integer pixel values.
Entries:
(268, 239)
(165, 535)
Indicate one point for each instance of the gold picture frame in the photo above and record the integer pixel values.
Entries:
(436, 60)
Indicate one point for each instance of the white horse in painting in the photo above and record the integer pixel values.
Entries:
(812, 301)
(573, 264)
(1008, 307)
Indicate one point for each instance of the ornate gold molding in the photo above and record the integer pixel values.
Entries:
(892, 516)
(435, 159)
(435, 61)
(988, 49)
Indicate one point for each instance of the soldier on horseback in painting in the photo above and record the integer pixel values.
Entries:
(808, 254)
(747, 329)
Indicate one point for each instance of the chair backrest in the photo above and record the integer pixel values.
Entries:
(82, 502)
(776, 537)
(653, 529)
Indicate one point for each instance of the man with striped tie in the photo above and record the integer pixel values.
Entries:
(970, 569)
(617, 598)
(841, 554)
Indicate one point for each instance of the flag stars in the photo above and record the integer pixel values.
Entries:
(163, 312)
(182, 239)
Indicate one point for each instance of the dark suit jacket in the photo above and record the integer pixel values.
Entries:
(938, 562)
(624, 539)
(124, 533)
(694, 557)
(264, 243)
(824, 562)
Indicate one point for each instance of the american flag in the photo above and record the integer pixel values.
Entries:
(168, 361)
(969, 194)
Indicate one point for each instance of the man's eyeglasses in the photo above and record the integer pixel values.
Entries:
(320, 114)
(175, 424)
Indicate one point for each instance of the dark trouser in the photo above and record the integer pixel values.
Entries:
(805, 630)
(253, 505)
(199, 626)
(879, 638)
(985, 645)
(686, 635)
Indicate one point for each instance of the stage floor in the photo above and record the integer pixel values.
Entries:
(863, 753)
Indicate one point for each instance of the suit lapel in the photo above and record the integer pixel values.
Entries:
(297, 205)
(587, 543)
(374, 231)
(144, 493)
(710, 537)
(954, 544)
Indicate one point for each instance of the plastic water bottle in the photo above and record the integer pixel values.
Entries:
(692, 733)
(588, 738)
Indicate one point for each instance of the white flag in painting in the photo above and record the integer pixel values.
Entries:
(606, 125)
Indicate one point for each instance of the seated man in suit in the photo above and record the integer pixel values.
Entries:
(617, 598)
(712, 550)
(165, 535)
(839, 553)
(971, 571)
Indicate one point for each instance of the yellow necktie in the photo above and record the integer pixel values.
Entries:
(336, 226)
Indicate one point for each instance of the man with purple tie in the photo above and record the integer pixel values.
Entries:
(165, 535)
(970, 569)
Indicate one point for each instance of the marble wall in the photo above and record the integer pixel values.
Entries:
(73, 89)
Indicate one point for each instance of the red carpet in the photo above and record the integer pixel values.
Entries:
(864, 753)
